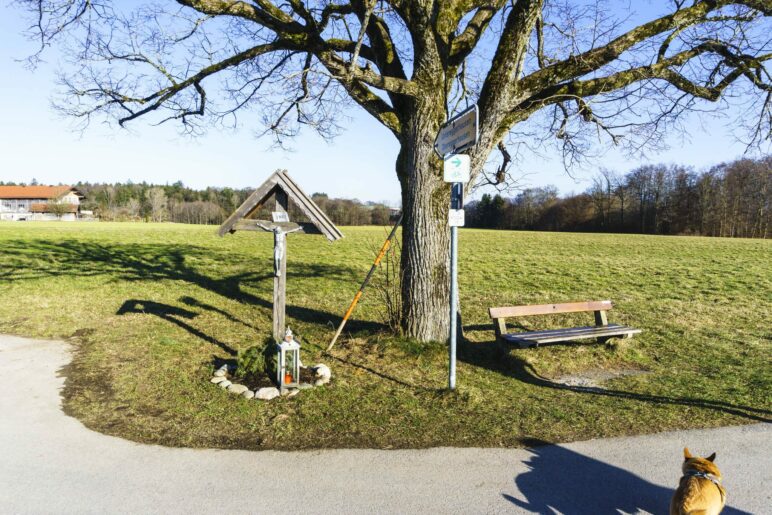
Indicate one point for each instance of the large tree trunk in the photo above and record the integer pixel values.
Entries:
(425, 235)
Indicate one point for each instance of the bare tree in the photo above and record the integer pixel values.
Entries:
(156, 198)
(622, 193)
(572, 71)
(132, 208)
(602, 194)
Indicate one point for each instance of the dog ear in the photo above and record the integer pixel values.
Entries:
(687, 454)
(712, 457)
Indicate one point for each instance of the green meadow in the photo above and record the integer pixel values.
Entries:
(150, 309)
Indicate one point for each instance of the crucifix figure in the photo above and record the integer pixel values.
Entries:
(280, 231)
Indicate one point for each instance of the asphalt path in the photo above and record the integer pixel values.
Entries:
(50, 463)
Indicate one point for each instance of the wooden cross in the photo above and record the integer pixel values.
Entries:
(284, 189)
(279, 230)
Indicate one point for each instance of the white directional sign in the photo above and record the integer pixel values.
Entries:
(456, 168)
(459, 133)
(456, 218)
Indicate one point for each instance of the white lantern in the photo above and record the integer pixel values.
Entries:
(288, 362)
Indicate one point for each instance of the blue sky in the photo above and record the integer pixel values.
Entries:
(36, 142)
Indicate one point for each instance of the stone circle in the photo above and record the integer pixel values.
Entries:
(322, 375)
(238, 389)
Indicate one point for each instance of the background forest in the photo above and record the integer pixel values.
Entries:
(730, 199)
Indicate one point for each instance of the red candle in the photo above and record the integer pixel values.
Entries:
(287, 378)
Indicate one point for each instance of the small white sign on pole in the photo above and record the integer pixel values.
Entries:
(456, 168)
(456, 218)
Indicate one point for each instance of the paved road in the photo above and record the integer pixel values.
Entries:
(50, 463)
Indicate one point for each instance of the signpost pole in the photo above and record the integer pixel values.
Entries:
(456, 206)
(457, 134)
(453, 306)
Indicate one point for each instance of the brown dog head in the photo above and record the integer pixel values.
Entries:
(697, 464)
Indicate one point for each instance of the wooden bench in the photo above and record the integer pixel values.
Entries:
(602, 330)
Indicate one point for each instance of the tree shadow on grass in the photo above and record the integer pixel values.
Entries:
(174, 315)
(491, 356)
(195, 303)
(347, 360)
(560, 480)
(35, 259)
(352, 363)
(177, 316)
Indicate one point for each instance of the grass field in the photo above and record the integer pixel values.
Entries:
(151, 308)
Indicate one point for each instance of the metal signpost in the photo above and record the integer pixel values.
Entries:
(458, 134)
(454, 220)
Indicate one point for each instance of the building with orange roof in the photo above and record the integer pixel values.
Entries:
(39, 203)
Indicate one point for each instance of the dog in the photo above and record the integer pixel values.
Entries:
(699, 491)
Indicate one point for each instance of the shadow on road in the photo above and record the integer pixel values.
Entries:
(563, 481)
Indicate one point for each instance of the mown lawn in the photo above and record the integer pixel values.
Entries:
(151, 308)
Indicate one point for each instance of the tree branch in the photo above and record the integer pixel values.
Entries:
(383, 47)
(463, 44)
(374, 105)
(341, 70)
(264, 12)
(582, 64)
(742, 65)
(157, 99)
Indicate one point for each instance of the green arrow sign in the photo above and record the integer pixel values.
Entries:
(456, 168)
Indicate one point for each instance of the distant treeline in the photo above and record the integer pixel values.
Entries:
(178, 203)
(732, 199)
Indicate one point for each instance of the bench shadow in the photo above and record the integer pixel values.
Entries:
(560, 480)
(493, 357)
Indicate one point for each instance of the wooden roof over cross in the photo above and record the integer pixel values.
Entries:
(281, 181)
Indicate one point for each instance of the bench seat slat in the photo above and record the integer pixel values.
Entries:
(571, 332)
(566, 331)
(561, 335)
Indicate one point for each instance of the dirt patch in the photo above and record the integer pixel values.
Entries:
(596, 378)
(83, 333)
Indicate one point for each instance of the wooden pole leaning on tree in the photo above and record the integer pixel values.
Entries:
(378, 258)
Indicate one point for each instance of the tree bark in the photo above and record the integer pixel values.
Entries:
(425, 234)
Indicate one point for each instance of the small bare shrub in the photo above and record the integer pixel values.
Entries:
(387, 284)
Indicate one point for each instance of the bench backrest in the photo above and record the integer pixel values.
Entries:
(499, 315)
(548, 309)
